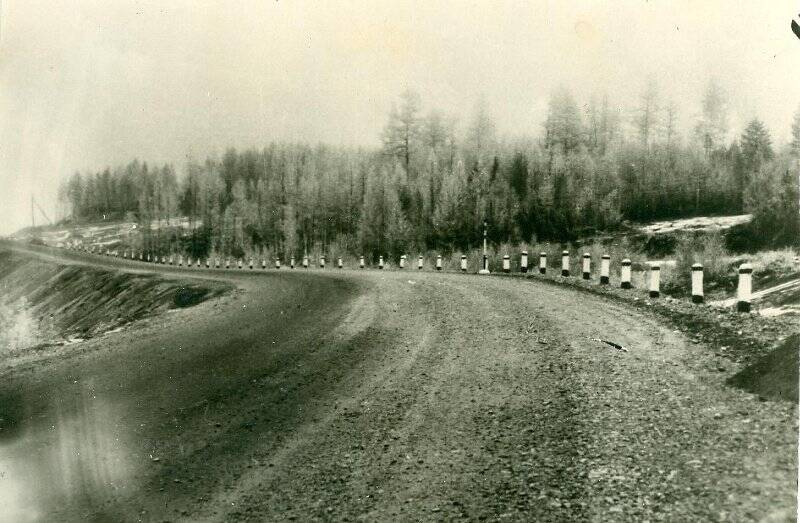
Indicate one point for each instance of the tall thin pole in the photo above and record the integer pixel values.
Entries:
(484, 239)
(33, 215)
(485, 268)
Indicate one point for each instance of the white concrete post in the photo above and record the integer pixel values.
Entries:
(506, 263)
(141, 256)
(208, 263)
(745, 289)
(655, 280)
(463, 263)
(322, 262)
(380, 262)
(402, 261)
(216, 263)
(420, 263)
(189, 261)
(239, 263)
(542, 262)
(361, 262)
(625, 274)
(523, 262)
(148, 256)
(263, 264)
(697, 283)
(171, 260)
(198, 262)
(277, 263)
(439, 262)
(605, 269)
(305, 262)
(251, 264)
(180, 260)
(291, 262)
(565, 263)
(339, 262)
(163, 260)
(228, 263)
(587, 266)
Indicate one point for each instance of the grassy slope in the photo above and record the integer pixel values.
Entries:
(42, 302)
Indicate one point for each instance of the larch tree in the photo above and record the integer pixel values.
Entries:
(402, 132)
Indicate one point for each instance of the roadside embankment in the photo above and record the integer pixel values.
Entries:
(44, 303)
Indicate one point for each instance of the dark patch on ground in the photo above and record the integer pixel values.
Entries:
(774, 375)
(12, 411)
(189, 296)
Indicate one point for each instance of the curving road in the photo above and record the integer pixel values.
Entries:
(384, 396)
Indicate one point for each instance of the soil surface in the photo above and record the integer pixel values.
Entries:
(385, 396)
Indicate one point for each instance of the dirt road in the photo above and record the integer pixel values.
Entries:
(344, 395)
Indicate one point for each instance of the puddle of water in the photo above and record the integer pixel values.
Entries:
(73, 457)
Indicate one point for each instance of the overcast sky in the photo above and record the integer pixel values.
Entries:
(88, 84)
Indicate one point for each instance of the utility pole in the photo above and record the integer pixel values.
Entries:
(485, 269)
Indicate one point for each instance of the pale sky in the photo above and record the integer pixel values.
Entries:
(86, 84)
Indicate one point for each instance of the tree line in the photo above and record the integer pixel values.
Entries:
(432, 185)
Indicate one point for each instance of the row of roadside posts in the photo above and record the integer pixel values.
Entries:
(743, 293)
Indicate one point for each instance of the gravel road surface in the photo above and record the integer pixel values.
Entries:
(389, 396)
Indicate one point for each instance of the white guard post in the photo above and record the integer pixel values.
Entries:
(745, 288)
(697, 283)
(605, 269)
(625, 274)
(655, 280)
